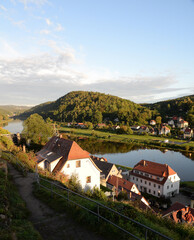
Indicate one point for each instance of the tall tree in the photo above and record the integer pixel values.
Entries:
(36, 129)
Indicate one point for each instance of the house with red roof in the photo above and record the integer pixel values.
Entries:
(117, 185)
(155, 178)
(188, 133)
(182, 124)
(164, 130)
(67, 157)
(152, 122)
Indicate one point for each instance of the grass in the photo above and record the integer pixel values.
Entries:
(188, 184)
(164, 226)
(123, 167)
(145, 139)
(15, 225)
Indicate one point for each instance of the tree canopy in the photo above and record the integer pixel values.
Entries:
(36, 129)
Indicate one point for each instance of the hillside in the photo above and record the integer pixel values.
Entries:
(183, 107)
(12, 109)
(95, 107)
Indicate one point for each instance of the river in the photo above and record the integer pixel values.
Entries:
(129, 154)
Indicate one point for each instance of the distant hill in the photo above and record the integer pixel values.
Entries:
(12, 109)
(183, 107)
(95, 107)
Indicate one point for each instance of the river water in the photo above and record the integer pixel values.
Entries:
(128, 154)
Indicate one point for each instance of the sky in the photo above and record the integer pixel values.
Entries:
(141, 50)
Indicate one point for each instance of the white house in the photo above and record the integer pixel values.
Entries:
(182, 124)
(152, 122)
(164, 130)
(155, 178)
(67, 157)
(188, 133)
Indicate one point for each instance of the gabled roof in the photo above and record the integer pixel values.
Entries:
(158, 169)
(60, 147)
(120, 182)
(176, 207)
(188, 130)
(105, 167)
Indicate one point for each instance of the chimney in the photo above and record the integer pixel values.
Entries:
(24, 148)
(144, 163)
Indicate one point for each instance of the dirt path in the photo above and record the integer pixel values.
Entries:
(51, 225)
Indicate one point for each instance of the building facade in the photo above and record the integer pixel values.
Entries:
(155, 179)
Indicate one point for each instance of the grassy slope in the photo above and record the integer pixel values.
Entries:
(165, 226)
(13, 207)
(124, 137)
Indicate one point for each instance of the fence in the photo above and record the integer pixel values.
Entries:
(100, 206)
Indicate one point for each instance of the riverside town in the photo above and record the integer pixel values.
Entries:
(96, 120)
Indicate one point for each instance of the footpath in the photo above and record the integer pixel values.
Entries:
(50, 224)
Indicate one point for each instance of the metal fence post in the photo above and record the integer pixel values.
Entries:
(68, 195)
(51, 189)
(146, 233)
(98, 213)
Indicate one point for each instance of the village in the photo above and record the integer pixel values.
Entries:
(175, 127)
(146, 179)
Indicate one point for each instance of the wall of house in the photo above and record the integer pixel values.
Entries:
(148, 186)
(171, 185)
(114, 171)
(53, 164)
(85, 170)
(41, 164)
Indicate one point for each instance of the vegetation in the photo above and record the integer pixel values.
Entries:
(11, 109)
(36, 129)
(165, 226)
(80, 106)
(188, 184)
(176, 107)
(13, 213)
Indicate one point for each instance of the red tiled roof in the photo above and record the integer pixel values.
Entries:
(158, 169)
(187, 130)
(120, 182)
(67, 149)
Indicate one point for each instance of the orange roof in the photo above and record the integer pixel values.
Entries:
(158, 169)
(120, 182)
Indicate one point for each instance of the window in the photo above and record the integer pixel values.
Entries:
(167, 187)
(68, 165)
(88, 179)
(140, 180)
(137, 171)
(78, 164)
(137, 179)
(154, 192)
(171, 185)
(158, 178)
(149, 183)
(154, 185)
(145, 182)
(137, 185)
(147, 175)
(174, 177)
(149, 191)
(133, 178)
(158, 186)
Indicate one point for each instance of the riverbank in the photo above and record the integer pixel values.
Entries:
(151, 141)
(5, 121)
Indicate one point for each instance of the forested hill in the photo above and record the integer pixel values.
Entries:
(183, 107)
(80, 106)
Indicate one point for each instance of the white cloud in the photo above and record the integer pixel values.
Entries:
(44, 31)
(7, 51)
(3, 8)
(36, 2)
(59, 28)
(48, 22)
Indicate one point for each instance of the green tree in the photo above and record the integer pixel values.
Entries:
(36, 129)
(158, 120)
(97, 117)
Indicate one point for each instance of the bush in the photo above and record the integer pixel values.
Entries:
(99, 194)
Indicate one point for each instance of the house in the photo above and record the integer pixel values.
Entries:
(135, 128)
(107, 170)
(155, 178)
(188, 133)
(178, 212)
(171, 123)
(182, 124)
(164, 130)
(117, 184)
(153, 131)
(116, 127)
(67, 157)
(152, 122)
(80, 125)
(143, 129)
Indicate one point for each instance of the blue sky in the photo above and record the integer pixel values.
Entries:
(142, 50)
